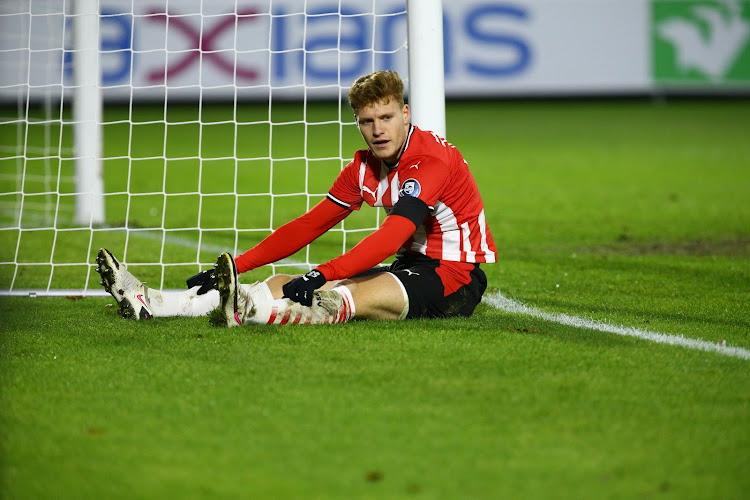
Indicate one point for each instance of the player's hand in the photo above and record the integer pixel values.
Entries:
(301, 289)
(207, 281)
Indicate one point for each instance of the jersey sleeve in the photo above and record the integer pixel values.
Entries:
(372, 250)
(346, 191)
(292, 236)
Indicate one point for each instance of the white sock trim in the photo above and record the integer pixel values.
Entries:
(347, 294)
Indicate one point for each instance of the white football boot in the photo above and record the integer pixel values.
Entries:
(131, 295)
(234, 300)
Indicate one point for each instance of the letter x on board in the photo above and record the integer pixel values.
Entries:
(203, 44)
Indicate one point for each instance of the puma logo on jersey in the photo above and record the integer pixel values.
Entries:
(416, 165)
(373, 193)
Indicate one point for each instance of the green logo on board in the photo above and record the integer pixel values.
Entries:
(701, 41)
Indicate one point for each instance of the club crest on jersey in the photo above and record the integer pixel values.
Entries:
(410, 187)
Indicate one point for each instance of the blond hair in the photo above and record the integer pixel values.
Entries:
(375, 88)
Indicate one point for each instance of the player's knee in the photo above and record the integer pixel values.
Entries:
(276, 282)
(349, 283)
(285, 278)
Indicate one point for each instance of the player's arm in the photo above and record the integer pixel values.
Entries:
(283, 242)
(407, 214)
(292, 236)
(343, 197)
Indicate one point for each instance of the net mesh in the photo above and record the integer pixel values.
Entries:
(221, 121)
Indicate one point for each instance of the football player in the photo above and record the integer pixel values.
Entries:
(435, 225)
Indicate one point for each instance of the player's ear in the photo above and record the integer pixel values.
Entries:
(407, 113)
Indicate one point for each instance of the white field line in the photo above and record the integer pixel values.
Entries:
(177, 241)
(498, 301)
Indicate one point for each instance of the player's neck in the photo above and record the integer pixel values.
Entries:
(394, 163)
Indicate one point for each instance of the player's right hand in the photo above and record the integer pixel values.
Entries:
(206, 279)
(301, 289)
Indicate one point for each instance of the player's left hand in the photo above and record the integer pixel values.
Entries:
(206, 279)
(301, 289)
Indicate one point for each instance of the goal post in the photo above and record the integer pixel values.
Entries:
(87, 112)
(426, 73)
(169, 132)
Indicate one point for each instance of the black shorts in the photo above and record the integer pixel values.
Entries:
(426, 291)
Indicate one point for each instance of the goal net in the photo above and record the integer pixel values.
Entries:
(169, 132)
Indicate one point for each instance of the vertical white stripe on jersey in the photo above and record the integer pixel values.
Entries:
(383, 186)
(466, 233)
(489, 255)
(451, 233)
(394, 189)
(419, 240)
(362, 170)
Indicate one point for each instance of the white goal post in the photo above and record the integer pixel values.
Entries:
(87, 112)
(426, 75)
(171, 131)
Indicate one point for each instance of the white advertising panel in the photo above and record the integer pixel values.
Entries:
(547, 47)
(492, 47)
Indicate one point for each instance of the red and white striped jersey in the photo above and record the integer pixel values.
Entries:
(433, 170)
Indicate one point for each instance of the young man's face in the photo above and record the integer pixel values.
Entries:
(384, 127)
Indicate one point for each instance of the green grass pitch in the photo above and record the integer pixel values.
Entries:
(630, 212)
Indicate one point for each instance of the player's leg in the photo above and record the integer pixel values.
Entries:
(188, 303)
(379, 296)
(375, 295)
(131, 295)
(414, 287)
(428, 288)
(440, 289)
(136, 300)
(371, 297)
(277, 281)
(238, 307)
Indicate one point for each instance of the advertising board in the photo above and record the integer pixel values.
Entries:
(225, 49)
